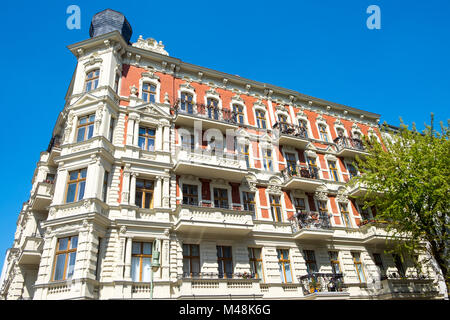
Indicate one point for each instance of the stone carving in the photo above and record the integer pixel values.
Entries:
(321, 194)
(123, 229)
(133, 91)
(68, 129)
(150, 44)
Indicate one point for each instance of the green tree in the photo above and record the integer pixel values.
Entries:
(408, 181)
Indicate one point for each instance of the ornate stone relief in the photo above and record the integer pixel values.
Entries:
(150, 44)
(321, 194)
(342, 195)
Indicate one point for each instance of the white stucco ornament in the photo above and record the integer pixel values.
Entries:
(150, 44)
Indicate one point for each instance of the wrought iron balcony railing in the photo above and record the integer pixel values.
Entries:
(218, 275)
(291, 129)
(350, 143)
(300, 172)
(211, 204)
(322, 282)
(204, 111)
(310, 220)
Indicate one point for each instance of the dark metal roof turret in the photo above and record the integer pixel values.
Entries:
(109, 20)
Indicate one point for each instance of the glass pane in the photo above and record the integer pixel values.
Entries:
(71, 192)
(83, 120)
(59, 268)
(139, 183)
(152, 132)
(186, 250)
(81, 190)
(152, 98)
(141, 131)
(92, 118)
(145, 86)
(195, 250)
(73, 242)
(148, 199)
(135, 268)
(63, 244)
(138, 199)
(195, 266)
(287, 267)
(228, 268)
(147, 248)
(220, 269)
(151, 145)
(73, 175)
(360, 272)
(259, 269)
(227, 252)
(141, 143)
(257, 252)
(280, 267)
(146, 269)
(80, 134)
(144, 96)
(250, 253)
(83, 173)
(71, 265)
(90, 131)
(219, 252)
(136, 248)
(186, 267)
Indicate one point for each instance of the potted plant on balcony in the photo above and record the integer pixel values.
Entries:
(313, 285)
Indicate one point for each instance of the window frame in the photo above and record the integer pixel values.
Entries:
(282, 261)
(356, 255)
(310, 260)
(141, 256)
(222, 260)
(274, 205)
(333, 169)
(345, 214)
(189, 195)
(66, 253)
(190, 257)
(148, 92)
(147, 137)
(86, 126)
(334, 261)
(261, 121)
(94, 80)
(254, 260)
(144, 191)
(77, 181)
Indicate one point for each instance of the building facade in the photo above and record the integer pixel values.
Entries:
(167, 180)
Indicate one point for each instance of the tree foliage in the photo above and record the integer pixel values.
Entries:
(408, 180)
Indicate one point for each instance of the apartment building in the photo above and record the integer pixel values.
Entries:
(168, 180)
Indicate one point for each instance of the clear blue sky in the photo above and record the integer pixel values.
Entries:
(320, 48)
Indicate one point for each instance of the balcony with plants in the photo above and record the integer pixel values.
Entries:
(291, 134)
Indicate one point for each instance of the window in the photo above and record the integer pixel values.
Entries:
(76, 185)
(148, 92)
(333, 170)
(91, 82)
(303, 127)
(221, 198)
(299, 204)
(50, 178)
(291, 162)
(314, 170)
(310, 261)
(283, 122)
(267, 155)
(111, 129)
(65, 256)
(188, 142)
(244, 150)
(323, 208)
(190, 194)
(379, 263)
(224, 261)
(345, 214)
(141, 258)
(399, 265)
(147, 138)
(254, 256)
(191, 260)
(116, 83)
(238, 113)
(358, 266)
(323, 133)
(99, 260)
(213, 109)
(365, 213)
(105, 186)
(144, 193)
(249, 202)
(352, 170)
(260, 119)
(275, 206)
(334, 261)
(186, 102)
(284, 265)
(85, 127)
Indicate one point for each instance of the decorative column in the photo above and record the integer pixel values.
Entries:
(166, 137)
(157, 195)
(166, 192)
(130, 130)
(159, 138)
(93, 177)
(127, 275)
(133, 188)
(126, 185)
(136, 131)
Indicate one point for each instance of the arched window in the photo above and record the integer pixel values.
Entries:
(238, 113)
(213, 108)
(149, 92)
(260, 119)
(186, 102)
(91, 81)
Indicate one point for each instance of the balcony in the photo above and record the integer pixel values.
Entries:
(396, 287)
(311, 225)
(31, 250)
(291, 135)
(323, 285)
(213, 285)
(201, 162)
(205, 219)
(42, 196)
(302, 178)
(211, 117)
(349, 147)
